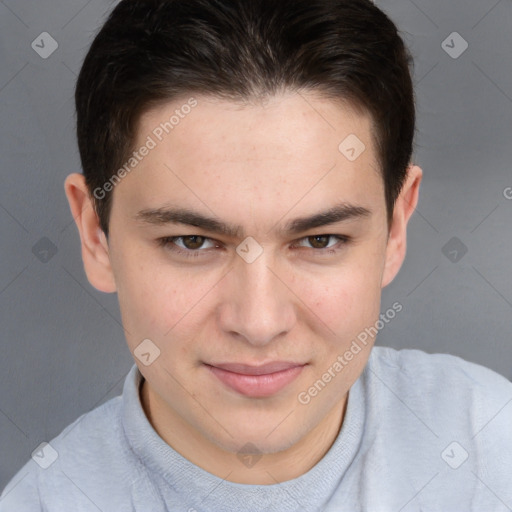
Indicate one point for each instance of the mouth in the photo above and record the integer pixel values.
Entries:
(256, 381)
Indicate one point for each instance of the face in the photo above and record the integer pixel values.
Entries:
(260, 293)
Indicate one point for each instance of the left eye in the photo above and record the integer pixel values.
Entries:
(320, 240)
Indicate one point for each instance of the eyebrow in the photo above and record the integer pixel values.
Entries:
(163, 216)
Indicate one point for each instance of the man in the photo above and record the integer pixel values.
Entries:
(246, 192)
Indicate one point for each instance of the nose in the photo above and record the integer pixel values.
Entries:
(258, 305)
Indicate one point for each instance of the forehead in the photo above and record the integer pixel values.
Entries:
(295, 149)
(290, 122)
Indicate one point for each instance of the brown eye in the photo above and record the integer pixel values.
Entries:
(324, 244)
(319, 241)
(187, 245)
(196, 242)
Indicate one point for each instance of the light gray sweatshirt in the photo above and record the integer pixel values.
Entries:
(422, 432)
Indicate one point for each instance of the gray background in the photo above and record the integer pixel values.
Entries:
(62, 347)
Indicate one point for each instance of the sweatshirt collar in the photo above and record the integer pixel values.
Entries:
(201, 490)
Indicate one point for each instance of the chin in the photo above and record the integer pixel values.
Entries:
(267, 442)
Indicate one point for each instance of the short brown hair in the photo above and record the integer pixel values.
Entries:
(152, 51)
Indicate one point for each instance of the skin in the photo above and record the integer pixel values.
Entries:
(257, 166)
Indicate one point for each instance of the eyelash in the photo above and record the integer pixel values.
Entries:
(168, 243)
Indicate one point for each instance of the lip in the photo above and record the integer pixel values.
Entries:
(256, 381)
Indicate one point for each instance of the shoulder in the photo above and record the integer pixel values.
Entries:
(432, 371)
(447, 392)
(443, 416)
(88, 451)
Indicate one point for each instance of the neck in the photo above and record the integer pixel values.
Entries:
(270, 469)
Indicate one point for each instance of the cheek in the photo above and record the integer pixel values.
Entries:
(167, 304)
(345, 297)
(150, 300)
(163, 302)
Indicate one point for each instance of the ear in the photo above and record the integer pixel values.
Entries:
(404, 207)
(95, 250)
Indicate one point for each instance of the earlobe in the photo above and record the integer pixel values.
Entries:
(397, 240)
(95, 250)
